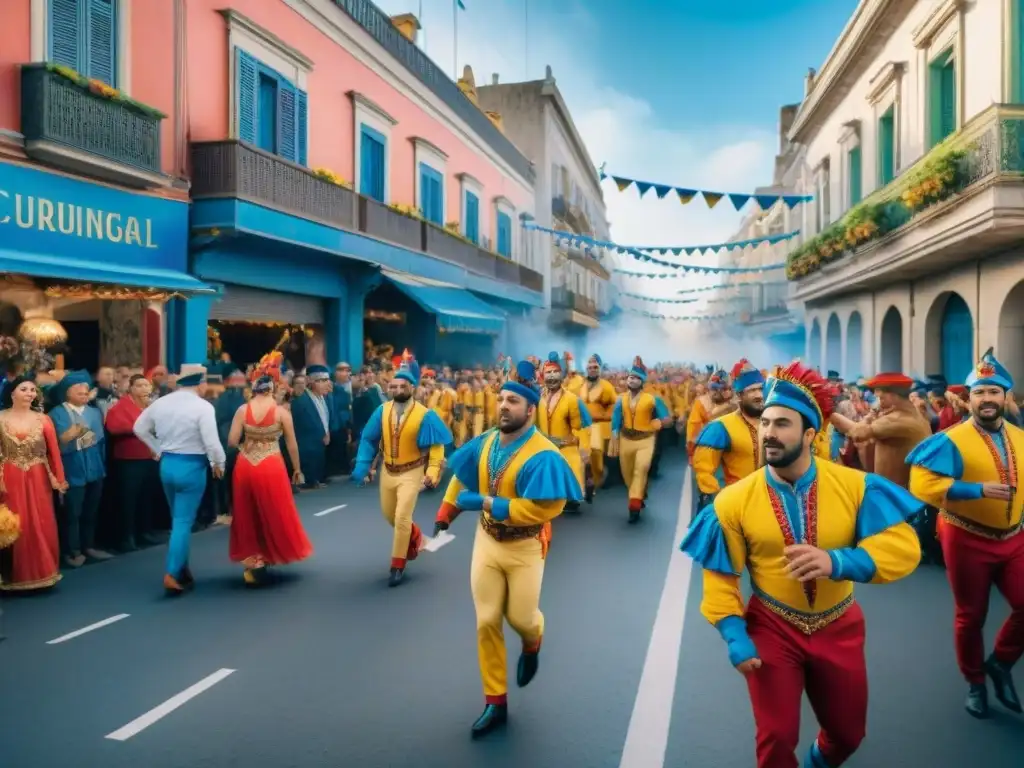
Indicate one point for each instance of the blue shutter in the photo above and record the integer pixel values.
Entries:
(286, 120)
(472, 218)
(372, 165)
(64, 26)
(301, 128)
(947, 80)
(437, 214)
(102, 41)
(504, 235)
(245, 96)
(431, 194)
(266, 113)
(856, 174)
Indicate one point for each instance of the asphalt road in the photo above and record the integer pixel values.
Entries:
(328, 668)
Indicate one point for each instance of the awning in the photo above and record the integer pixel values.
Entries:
(87, 271)
(456, 309)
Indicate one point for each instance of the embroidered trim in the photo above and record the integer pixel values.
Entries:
(753, 441)
(495, 470)
(1008, 471)
(501, 532)
(810, 527)
(985, 531)
(808, 623)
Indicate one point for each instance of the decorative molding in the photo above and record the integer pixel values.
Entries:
(364, 101)
(891, 73)
(237, 21)
(851, 130)
(941, 14)
(469, 181)
(421, 145)
(503, 202)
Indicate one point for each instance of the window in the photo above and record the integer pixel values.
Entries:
(942, 97)
(83, 37)
(431, 195)
(887, 147)
(372, 163)
(271, 110)
(471, 218)
(855, 173)
(504, 235)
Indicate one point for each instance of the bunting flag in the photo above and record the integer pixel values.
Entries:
(685, 194)
(639, 297)
(677, 276)
(657, 316)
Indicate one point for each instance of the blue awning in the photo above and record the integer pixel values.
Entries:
(456, 309)
(87, 271)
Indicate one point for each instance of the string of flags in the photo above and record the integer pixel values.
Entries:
(685, 194)
(639, 297)
(657, 316)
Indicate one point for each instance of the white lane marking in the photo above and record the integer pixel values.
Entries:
(328, 511)
(90, 628)
(140, 724)
(647, 735)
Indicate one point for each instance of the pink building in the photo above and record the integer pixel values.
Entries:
(343, 185)
(93, 208)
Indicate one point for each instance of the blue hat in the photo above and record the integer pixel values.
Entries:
(937, 384)
(744, 375)
(596, 358)
(834, 375)
(317, 372)
(59, 393)
(638, 369)
(989, 372)
(553, 362)
(719, 380)
(522, 382)
(803, 390)
(409, 371)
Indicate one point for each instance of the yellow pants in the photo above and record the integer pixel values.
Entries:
(478, 423)
(635, 459)
(597, 465)
(398, 494)
(571, 453)
(461, 432)
(505, 578)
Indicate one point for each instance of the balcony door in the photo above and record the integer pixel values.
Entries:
(957, 339)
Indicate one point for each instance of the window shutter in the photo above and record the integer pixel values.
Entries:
(366, 166)
(302, 128)
(64, 25)
(472, 217)
(886, 148)
(436, 200)
(286, 120)
(245, 96)
(948, 86)
(504, 235)
(855, 170)
(102, 41)
(380, 169)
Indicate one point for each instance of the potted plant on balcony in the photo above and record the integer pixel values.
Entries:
(102, 90)
(326, 174)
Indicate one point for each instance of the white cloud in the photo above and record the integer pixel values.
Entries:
(619, 129)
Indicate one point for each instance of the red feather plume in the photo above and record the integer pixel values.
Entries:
(813, 383)
(638, 362)
(740, 367)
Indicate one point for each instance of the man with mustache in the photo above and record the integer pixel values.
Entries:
(564, 420)
(970, 472)
(412, 439)
(730, 442)
(806, 529)
(598, 395)
(518, 482)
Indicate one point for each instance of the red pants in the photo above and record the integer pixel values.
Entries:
(829, 665)
(973, 565)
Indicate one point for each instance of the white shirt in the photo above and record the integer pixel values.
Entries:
(321, 408)
(181, 422)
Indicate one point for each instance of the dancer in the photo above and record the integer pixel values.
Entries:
(564, 420)
(412, 439)
(518, 482)
(598, 395)
(265, 529)
(802, 630)
(970, 472)
(181, 429)
(636, 420)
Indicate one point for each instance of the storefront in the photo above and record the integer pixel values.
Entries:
(89, 268)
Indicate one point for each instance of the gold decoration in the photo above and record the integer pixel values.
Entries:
(108, 292)
(43, 332)
(10, 527)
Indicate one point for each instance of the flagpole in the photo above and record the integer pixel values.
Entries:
(423, 36)
(455, 54)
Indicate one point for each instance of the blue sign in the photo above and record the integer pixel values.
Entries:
(52, 215)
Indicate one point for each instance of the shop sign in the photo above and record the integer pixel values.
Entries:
(50, 214)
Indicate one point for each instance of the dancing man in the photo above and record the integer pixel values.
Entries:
(636, 420)
(564, 420)
(801, 630)
(598, 395)
(970, 472)
(518, 482)
(412, 439)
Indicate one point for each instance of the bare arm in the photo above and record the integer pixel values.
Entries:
(237, 425)
(289, 440)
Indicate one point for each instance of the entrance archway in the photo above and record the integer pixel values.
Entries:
(891, 341)
(1010, 341)
(833, 343)
(854, 346)
(949, 337)
(814, 345)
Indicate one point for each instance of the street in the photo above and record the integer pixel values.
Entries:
(329, 668)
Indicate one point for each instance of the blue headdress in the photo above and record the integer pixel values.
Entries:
(522, 382)
(638, 369)
(409, 371)
(989, 372)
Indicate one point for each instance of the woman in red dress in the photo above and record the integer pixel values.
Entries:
(266, 529)
(30, 472)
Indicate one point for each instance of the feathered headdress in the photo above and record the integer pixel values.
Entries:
(521, 381)
(553, 363)
(744, 375)
(269, 365)
(638, 369)
(803, 390)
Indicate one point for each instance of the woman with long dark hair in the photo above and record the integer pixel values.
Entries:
(30, 470)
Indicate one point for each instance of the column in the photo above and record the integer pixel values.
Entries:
(187, 320)
(344, 327)
(121, 332)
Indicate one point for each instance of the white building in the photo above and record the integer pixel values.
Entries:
(912, 136)
(538, 121)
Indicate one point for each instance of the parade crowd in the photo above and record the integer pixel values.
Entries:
(809, 483)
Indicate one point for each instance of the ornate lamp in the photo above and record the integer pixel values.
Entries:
(44, 332)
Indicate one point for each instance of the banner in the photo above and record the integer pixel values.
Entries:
(639, 297)
(685, 194)
(656, 316)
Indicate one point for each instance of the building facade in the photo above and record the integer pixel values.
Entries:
(569, 199)
(93, 204)
(911, 139)
(345, 189)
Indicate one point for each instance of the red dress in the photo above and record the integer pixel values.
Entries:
(265, 526)
(31, 468)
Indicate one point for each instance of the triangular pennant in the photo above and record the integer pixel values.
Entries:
(685, 195)
(766, 201)
(712, 198)
(661, 190)
(738, 201)
(792, 201)
(622, 184)
(678, 251)
(643, 187)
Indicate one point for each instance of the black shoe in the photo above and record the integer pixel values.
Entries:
(1002, 684)
(397, 574)
(634, 517)
(588, 495)
(977, 701)
(494, 716)
(527, 668)
(187, 580)
(572, 506)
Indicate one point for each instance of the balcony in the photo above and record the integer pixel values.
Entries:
(233, 169)
(960, 201)
(571, 308)
(68, 124)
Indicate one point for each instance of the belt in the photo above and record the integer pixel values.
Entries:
(397, 469)
(599, 421)
(564, 442)
(474, 408)
(635, 434)
(985, 531)
(501, 532)
(808, 623)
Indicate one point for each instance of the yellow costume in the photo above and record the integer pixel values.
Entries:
(636, 420)
(698, 419)
(563, 420)
(730, 443)
(599, 397)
